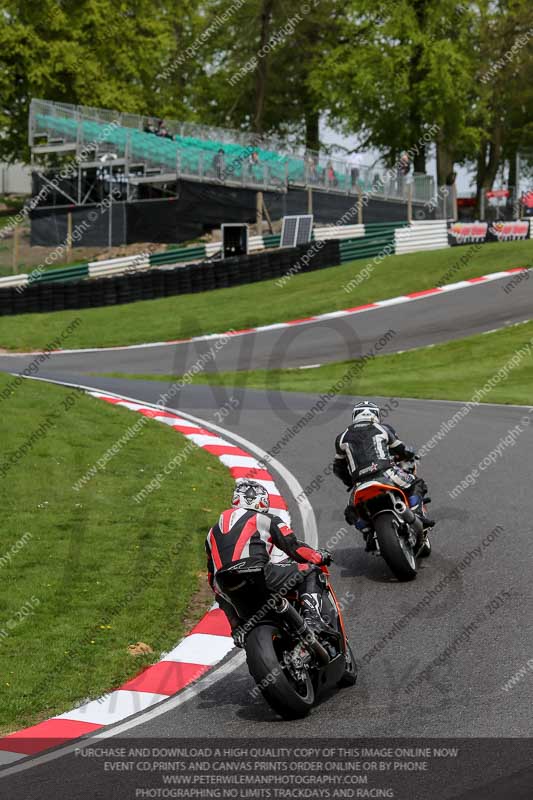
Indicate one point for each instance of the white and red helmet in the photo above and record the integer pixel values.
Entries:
(366, 412)
(251, 495)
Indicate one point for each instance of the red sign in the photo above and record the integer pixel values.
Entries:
(468, 232)
(498, 193)
(509, 231)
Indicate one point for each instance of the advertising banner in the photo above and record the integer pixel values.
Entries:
(479, 232)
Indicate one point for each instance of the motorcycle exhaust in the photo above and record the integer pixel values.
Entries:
(302, 630)
(408, 516)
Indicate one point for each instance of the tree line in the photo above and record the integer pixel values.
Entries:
(383, 71)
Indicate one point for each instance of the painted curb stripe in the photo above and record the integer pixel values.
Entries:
(166, 677)
(113, 707)
(206, 645)
(44, 735)
(393, 301)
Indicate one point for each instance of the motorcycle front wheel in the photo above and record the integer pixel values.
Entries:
(397, 553)
(290, 698)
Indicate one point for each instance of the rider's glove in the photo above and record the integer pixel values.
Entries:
(238, 637)
(326, 557)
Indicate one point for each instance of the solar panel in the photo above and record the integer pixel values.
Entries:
(296, 230)
(305, 229)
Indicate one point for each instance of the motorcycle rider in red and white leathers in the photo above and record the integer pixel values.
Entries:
(247, 536)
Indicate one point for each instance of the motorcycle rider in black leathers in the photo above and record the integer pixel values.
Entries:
(245, 537)
(365, 452)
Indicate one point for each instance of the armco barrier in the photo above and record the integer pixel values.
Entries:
(62, 274)
(431, 234)
(145, 275)
(185, 255)
(155, 283)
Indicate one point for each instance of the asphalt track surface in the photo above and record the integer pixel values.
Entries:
(424, 321)
(462, 697)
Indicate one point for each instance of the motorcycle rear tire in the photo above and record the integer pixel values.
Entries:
(403, 567)
(264, 665)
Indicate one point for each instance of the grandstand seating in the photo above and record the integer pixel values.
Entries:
(193, 157)
(190, 156)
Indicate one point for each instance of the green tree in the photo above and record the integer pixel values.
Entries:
(504, 112)
(90, 52)
(260, 66)
(401, 68)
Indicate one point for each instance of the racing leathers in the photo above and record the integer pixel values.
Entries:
(244, 540)
(365, 451)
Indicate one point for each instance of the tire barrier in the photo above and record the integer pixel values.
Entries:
(361, 241)
(155, 283)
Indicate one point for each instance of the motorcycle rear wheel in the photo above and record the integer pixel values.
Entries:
(397, 554)
(287, 697)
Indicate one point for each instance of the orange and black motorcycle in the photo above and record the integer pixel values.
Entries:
(391, 528)
(290, 663)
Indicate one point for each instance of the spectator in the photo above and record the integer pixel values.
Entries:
(331, 177)
(315, 169)
(311, 167)
(402, 171)
(162, 131)
(354, 171)
(218, 164)
(377, 183)
(251, 162)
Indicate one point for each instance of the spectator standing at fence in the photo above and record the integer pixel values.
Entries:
(402, 171)
(331, 177)
(311, 167)
(218, 164)
(377, 183)
(354, 171)
(253, 161)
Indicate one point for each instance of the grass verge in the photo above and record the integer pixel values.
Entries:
(85, 574)
(451, 371)
(245, 306)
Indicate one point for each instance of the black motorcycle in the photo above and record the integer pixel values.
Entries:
(290, 663)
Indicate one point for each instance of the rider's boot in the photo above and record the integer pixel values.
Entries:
(417, 505)
(366, 530)
(311, 611)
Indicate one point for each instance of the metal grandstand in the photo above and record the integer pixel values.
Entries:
(125, 145)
